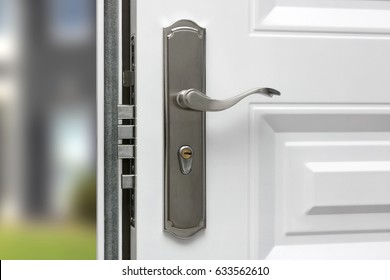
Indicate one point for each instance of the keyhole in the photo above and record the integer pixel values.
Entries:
(186, 153)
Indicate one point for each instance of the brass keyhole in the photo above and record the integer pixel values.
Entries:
(186, 153)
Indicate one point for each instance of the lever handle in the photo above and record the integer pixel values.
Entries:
(197, 100)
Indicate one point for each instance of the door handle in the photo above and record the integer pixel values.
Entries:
(196, 100)
(185, 106)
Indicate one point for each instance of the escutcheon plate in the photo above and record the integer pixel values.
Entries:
(184, 68)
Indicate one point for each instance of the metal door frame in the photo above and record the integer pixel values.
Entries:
(118, 27)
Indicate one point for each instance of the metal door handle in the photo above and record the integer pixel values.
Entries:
(198, 101)
(185, 106)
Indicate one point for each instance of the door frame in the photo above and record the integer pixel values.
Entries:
(115, 21)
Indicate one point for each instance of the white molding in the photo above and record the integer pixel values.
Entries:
(332, 16)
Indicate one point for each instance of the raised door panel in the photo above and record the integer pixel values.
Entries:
(321, 16)
(319, 175)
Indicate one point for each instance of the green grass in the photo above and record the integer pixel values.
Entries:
(72, 242)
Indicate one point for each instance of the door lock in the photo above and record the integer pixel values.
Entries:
(184, 115)
(185, 159)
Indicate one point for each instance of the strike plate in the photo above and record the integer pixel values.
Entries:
(185, 187)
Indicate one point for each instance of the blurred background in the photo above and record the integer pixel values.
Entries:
(47, 129)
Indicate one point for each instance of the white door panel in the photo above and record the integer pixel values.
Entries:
(320, 174)
(302, 175)
(331, 16)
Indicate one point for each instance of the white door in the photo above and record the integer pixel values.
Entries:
(305, 175)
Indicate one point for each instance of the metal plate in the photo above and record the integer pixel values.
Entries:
(184, 68)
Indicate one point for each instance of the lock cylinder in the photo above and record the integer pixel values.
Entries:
(185, 155)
